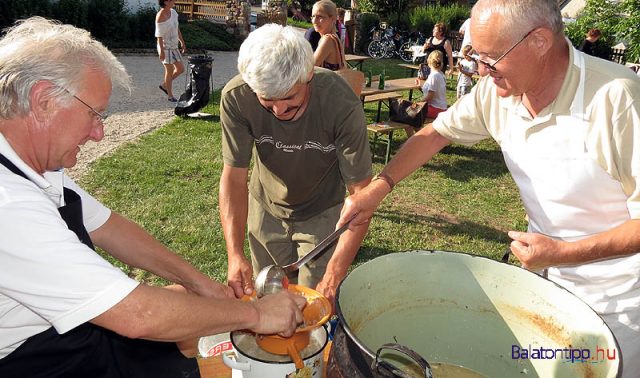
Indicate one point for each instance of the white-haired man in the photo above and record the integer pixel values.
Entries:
(306, 127)
(568, 127)
(64, 310)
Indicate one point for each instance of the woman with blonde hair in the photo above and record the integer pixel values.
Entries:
(330, 52)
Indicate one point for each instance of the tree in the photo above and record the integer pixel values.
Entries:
(618, 22)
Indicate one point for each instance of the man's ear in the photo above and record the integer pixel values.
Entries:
(543, 40)
(42, 104)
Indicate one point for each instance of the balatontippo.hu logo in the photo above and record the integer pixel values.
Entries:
(518, 352)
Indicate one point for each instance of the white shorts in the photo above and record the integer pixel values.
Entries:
(172, 56)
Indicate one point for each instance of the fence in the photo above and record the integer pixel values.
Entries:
(211, 10)
(618, 56)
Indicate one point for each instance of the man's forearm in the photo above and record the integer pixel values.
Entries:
(619, 241)
(129, 243)
(234, 208)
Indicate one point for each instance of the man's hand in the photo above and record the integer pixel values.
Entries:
(240, 276)
(279, 313)
(327, 287)
(535, 251)
(213, 289)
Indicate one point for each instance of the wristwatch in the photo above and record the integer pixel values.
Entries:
(386, 178)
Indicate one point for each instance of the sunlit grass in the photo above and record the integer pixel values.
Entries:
(463, 200)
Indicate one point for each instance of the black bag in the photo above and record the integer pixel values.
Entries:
(196, 95)
(411, 113)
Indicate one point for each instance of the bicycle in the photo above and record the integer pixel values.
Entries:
(388, 42)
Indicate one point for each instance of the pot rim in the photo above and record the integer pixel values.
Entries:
(290, 361)
(372, 354)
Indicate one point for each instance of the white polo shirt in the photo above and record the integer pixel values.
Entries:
(47, 276)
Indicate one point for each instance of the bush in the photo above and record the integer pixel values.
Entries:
(366, 22)
(74, 12)
(208, 36)
(423, 18)
(12, 10)
(142, 27)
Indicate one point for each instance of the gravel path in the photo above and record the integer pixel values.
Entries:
(146, 108)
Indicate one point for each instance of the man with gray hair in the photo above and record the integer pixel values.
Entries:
(307, 128)
(568, 127)
(64, 310)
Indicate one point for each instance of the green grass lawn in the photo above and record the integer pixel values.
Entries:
(463, 200)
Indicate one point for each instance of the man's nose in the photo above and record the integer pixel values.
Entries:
(279, 108)
(97, 131)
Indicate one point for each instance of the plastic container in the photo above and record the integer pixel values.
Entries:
(214, 345)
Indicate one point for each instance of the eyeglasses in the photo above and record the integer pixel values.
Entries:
(99, 116)
(492, 66)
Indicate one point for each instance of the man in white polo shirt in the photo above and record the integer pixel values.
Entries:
(64, 310)
(568, 126)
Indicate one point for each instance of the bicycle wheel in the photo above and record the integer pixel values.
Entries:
(376, 49)
(404, 53)
(390, 48)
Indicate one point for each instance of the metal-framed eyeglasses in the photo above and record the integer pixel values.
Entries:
(100, 116)
(492, 66)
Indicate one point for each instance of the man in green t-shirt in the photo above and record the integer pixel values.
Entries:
(304, 128)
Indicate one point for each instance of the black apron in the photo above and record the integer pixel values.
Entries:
(88, 350)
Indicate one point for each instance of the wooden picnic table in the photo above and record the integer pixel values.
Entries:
(355, 61)
(404, 84)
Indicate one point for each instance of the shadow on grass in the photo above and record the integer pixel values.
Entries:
(437, 224)
(470, 162)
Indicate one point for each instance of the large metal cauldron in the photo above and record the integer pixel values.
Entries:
(460, 310)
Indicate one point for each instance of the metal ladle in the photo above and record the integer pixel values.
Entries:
(273, 278)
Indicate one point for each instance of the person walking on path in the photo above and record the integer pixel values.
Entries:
(170, 45)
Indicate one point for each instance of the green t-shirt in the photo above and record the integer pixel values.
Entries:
(300, 167)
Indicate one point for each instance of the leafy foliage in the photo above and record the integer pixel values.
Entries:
(423, 18)
(618, 21)
(110, 22)
(367, 22)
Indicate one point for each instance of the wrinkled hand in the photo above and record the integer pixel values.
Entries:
(327, 287)
(535, 251)
(240, 276)
(363, 203)
(212, 289)
(280, 313)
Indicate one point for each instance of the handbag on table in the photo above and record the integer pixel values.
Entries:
(411, 113)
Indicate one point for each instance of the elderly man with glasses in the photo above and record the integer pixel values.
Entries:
(64, 310)
(568, 126)
(304, 129)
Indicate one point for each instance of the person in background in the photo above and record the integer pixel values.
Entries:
(588, 45)
(65, 310)
(568, 127)
(342, 29)
(466, 35)
(304, 129)
(330, 51)
(440, 42)
(313, 37)
(467, 68)
(170, 45)
(434, 89)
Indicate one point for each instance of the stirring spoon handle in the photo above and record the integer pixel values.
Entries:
(318, 248)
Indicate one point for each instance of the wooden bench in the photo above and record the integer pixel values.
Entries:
(380, 98)
(387, 128)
